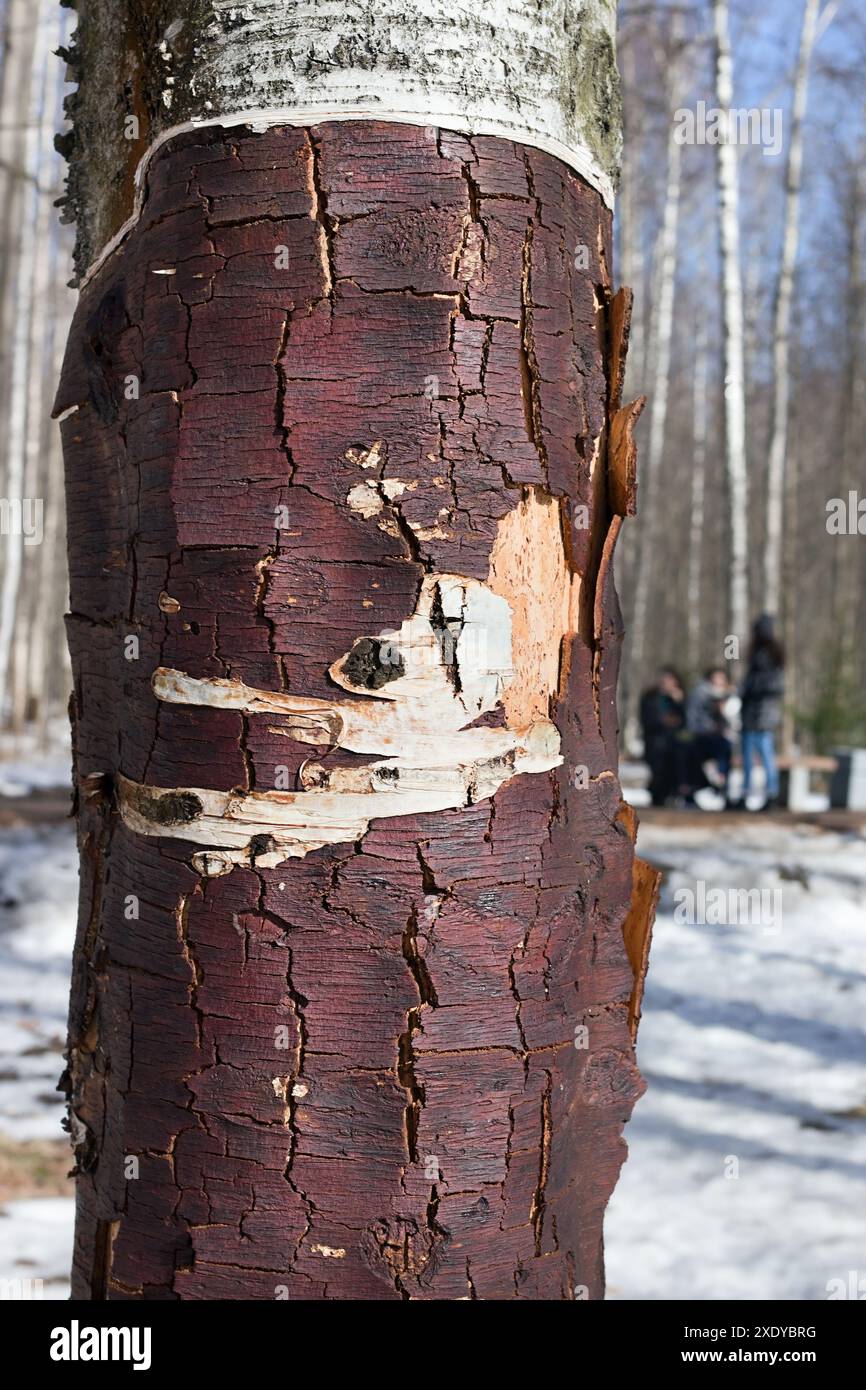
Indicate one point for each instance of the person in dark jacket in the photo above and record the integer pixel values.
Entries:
(662, 717)
(762, 693)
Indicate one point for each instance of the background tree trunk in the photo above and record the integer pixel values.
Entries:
(733, 340)
(357, 978)
(662, 337)
(35, 309)
(848, 569)
(782, 318)
(696, 509)
(23, 66)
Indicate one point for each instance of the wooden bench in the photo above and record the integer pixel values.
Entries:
(795, 776)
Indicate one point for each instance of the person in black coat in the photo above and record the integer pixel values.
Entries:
(762, 694)
(662, 717)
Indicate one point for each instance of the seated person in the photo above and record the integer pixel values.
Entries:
(706, 722)
(662, 718)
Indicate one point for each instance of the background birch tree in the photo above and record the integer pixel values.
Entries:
(736, 463)
(782, 315)
(35, 307)
(698, 489)
(357, 975)
(672, 55)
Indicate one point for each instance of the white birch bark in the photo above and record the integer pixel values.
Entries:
(35, 624)
(847, 588)
(14, 97)
(660, 386)
(696, 502)
(21, 365)
(782, 317)
(733, 336)
(628, 223)
(14, 90)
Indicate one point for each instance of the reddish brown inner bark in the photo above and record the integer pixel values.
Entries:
(432, 1121)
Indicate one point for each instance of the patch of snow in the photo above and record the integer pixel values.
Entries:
(38, 905)
(35, 759)
(747, 1170)
(36, 1241)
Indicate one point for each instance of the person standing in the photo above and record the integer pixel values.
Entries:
(762, 693)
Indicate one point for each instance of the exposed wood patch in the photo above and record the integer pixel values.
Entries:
(638, 925)
(529, 567)
(619, 321)
(622, 468)
(637, 931)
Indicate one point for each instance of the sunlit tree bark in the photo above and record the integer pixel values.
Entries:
(736, 464)
(358, 966)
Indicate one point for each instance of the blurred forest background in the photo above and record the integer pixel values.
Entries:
(796, 233)
(758, 260)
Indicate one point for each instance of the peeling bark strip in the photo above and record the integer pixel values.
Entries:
(539, 71)
(434, 683)
(398, 1065)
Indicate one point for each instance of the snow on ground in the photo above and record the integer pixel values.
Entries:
(752, 1043)
(38, 897)
(38, 902)
(747, 1170)
(36, 1244)
(35, 759)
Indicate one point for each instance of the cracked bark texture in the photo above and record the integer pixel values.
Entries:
(541, 71)
(399, 1067)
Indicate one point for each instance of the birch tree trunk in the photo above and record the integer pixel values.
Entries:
(30, 622)
(696, 506)
(847, 584)
(22, 86)
(782, 318)
(732, 330)
(359, 962)
(661, 371)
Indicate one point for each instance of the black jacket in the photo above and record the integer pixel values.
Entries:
(660, 715)
(762, 694)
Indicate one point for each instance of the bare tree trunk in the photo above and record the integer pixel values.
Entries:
(696, 507)
(792, 553)
(30, 623)
(18, 143)
(782, 318)
(847, 587)
(732, 318)
(631, 257)
(661, 371)
(49, 676)
(19, 38)
(356, 977)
